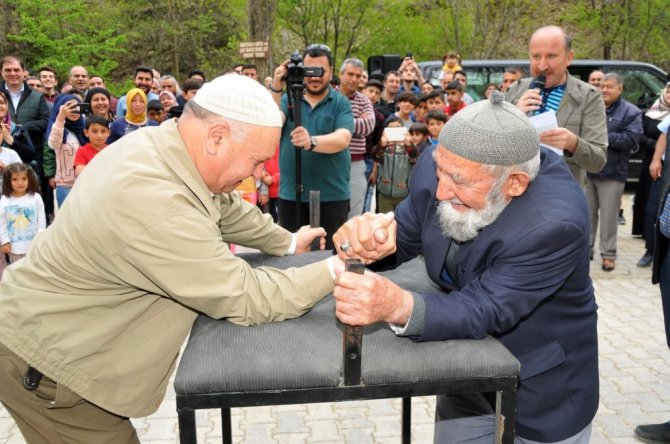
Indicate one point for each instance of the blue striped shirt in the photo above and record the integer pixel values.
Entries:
(551, 99)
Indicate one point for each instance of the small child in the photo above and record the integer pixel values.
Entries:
(451, 62)
(427, 87)
(21, 210)
(435, 120)
(156, 112)
(419, 134)
(373, 91)
(422, 108)
(407, 102)
(190, 87)
(396, 161)
(454, 99)
(269, 193)
(97, 131)
(7, 155)
(248, 191)
(435, 100)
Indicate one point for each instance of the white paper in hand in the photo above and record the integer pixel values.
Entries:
(545, 122)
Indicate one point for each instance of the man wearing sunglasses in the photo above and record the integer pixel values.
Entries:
(323, 136)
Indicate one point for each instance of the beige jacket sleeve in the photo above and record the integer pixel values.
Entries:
(583, 113)
(244, 224)
(184, 257)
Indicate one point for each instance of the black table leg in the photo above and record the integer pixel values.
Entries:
(226, 426)
(406, 420)
(507, 407)
(187, 432)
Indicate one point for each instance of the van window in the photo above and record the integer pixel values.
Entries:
(478, 78)
(642, 84)
(641, 87)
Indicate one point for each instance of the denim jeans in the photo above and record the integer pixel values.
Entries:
(61, 194)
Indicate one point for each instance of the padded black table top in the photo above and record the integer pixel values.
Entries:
(306, 352)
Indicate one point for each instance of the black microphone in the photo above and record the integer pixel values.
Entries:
(539, 82)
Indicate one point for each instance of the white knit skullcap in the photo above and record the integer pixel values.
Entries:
(492, 132)
(239, 98)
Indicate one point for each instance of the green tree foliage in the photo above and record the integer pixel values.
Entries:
(398, 27)
(621, 29)
(112, 37)
(336, 23)
(64, 33)
(176, 36)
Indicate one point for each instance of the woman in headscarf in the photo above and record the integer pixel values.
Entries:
(648, 189)
(99, 99)
(168, 100)
(136, 116)
(65, 134)
(14, 136)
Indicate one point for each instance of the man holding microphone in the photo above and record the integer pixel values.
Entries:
(579, 108)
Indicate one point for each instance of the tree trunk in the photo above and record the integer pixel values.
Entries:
(172, 18)
(260, 20)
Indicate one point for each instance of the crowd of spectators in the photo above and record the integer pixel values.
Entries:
(358, 134)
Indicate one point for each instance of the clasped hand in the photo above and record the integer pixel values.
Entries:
(370, 237)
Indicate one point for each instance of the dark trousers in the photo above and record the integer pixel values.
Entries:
(651, 209)
(664, 284)
(333, 215)
(52, 414)
(272, 208)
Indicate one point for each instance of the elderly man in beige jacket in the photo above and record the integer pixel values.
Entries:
(92, 320)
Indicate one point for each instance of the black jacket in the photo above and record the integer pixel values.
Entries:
(32, 113)
(624, 130)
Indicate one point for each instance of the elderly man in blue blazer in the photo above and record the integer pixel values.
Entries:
(504, 229)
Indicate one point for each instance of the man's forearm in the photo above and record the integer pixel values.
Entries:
(332, 143)
(659, 149)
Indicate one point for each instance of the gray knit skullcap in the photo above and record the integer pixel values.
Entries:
(492, 132)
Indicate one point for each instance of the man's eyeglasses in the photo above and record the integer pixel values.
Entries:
(317, 46)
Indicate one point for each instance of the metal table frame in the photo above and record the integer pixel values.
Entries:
(504, 386)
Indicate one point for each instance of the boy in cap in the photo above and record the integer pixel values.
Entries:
(148, 250)
(504, 228)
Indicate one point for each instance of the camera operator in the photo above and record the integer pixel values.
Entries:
(323, 137)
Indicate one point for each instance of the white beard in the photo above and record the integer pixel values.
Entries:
(463, 226)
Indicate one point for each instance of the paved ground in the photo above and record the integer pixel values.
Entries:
(634, 369)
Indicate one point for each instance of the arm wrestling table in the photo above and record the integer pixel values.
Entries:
(300, 361)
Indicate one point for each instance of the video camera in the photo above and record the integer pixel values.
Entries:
(297, 72)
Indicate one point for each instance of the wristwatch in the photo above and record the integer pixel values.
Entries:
(279, 91)
(312, 143)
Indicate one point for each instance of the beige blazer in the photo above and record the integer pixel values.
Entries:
(581, 111)
(108, 293)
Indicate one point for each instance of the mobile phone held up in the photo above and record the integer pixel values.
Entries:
(395, 135)
(83, 108)
(409, 55)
